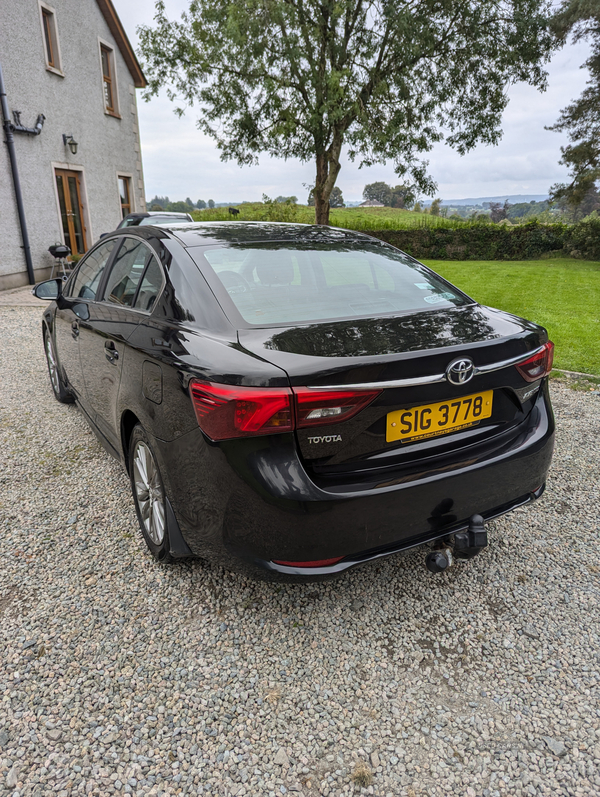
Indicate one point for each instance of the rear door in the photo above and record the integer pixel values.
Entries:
(74, 308)
(125, 296)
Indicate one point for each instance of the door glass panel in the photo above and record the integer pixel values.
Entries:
(88, 276)
(124, 194)
(150, 287)
(63, 211)
(126, 273)
(76, 215)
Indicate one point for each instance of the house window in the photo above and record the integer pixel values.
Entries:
(50, 38)
(108, 80)
(125, 194)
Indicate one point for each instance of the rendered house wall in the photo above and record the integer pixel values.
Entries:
(72, 104)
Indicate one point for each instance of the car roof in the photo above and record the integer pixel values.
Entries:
(222, 233)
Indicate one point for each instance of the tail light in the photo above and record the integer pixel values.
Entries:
(539, 365)
(322, 407)
(227, 411)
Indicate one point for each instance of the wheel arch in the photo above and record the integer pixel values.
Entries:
(129, 421)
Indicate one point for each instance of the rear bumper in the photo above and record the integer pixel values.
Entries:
(246, 503)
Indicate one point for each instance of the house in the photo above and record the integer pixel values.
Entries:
(69, 77)
(371, 203)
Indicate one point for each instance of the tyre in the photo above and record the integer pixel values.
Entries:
(60, 391)
(148, 494)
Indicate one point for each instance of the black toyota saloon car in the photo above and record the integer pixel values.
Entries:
(295, 400)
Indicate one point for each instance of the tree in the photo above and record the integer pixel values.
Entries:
(155, 206)
(190, 202)
(163, 201)
(200, 204)
(498, 212)
(384, 78)
(179, 207)
(336, 200)
(378, 192)
(581, 119)
(211, 203)
(403, 196)
(417, 207)
(292, 200)
(435, 207)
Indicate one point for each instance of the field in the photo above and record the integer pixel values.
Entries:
(563, 295)
(350, 218)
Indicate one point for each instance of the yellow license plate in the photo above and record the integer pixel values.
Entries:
(431, 420)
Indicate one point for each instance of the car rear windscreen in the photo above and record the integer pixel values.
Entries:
(163, 220)
(295, 283)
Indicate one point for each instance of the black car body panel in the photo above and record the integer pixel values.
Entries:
(254, 501)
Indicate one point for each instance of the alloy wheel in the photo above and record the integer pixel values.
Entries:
(52, 365)
(149, 492)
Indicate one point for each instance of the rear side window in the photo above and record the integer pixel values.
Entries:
(287, 284)
(88, 276)
(126, 273)
(151, 286)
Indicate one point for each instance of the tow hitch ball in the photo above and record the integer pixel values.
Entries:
(467, 544)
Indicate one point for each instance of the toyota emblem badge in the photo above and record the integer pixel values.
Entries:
(460, 371)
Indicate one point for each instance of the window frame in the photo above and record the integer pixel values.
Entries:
(128, 178)
(49, 27)
(151, 252)
(106, 47)
(73, 277)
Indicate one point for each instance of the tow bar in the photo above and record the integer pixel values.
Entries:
(467, 544)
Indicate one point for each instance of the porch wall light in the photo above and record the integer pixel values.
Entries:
(70, 141)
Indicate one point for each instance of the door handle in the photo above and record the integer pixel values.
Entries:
(110, 351)
(75, 329)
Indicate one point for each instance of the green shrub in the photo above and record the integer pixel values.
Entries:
(583, 240)
(481, 241)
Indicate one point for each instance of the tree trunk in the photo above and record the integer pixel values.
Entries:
(328, 168)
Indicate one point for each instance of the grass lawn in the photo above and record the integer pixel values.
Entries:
(350, 218)
(563, 295)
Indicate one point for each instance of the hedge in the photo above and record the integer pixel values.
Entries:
(477, 241)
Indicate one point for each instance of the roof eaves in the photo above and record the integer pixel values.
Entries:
(123, 43)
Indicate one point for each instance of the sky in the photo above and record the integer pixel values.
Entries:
(181, 162)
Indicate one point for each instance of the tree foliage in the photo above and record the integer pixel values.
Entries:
(385, 79)
(401, 196)
(498, 211)
(434, 209)
(378, 192)
(581, 119)
(336, 199)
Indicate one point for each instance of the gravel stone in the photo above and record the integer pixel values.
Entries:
(192, 680)
(282, 758)
(555, 746)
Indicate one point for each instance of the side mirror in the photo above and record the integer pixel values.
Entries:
(49, 289)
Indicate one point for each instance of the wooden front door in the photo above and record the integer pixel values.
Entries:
(68, 184)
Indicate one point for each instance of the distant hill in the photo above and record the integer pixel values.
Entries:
(512, 198)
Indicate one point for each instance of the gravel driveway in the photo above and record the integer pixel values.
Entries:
(122, 676)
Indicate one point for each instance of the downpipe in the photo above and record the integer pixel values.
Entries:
(9, 129)
(467, 544)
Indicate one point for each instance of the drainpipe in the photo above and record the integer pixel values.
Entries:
(9, 127)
